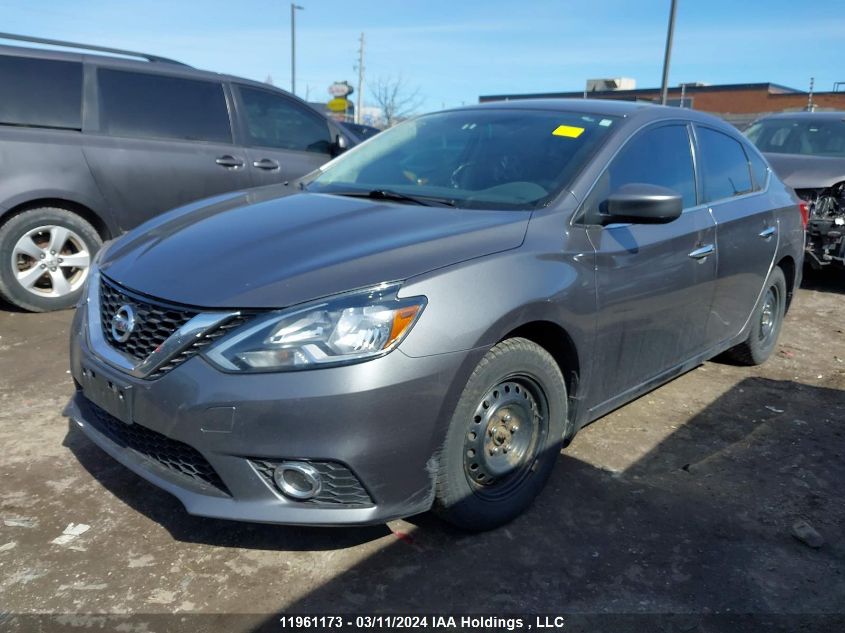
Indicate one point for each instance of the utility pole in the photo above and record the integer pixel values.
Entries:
(810, 106)
(664, 86)
(360, 100)
(293, 10)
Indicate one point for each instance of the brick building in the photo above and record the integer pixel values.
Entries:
(735, 102)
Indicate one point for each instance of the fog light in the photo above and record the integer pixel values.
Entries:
(297, 480)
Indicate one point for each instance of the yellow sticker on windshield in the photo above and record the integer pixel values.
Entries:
(568, 130)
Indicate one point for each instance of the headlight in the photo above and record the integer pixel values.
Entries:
(343, 329)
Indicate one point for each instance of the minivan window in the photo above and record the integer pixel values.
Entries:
(144, 105)
(487, 159)
(656, 156)
(41, 92)
(274, 121)
(724, 165)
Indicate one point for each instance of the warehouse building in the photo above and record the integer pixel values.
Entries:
(739, 103)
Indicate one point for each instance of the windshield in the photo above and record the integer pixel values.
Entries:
(509, 159)
(799, 136)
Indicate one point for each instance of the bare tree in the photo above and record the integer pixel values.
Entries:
(395, 98)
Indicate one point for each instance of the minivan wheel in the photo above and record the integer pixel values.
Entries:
(45, 257)
(766, 323)
(504, 437)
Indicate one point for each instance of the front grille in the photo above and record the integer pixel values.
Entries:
(177, 457)
(340, 487)
(195, 348)
(154, 321)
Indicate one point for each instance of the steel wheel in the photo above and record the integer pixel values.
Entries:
(50, 261)
(768, 315)
(765, 323)
(509, 425)
(504, 437)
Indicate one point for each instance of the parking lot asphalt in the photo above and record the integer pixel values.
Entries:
(683, 501)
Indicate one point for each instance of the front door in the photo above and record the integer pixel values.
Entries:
(654, 282)
(163, 141)
(285, 139)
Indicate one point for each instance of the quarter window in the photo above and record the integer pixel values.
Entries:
(41, 92)
(274, 121)
(759, 169)
(144, 105)
(724, 165)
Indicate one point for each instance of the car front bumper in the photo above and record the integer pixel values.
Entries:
(207, 437)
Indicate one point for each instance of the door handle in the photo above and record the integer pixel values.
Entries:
(266, 163)
(704, 251)
(767, 233)
(229, 161)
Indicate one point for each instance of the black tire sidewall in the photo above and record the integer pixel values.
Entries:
(758, 350)
(13, 229)
(455, 498)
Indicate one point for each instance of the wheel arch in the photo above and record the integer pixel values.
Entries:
(84, 211)
(787, 265)
(556, 341)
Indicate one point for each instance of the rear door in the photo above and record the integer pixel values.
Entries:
(284, 139)
(654, 281)
(746, 230)
(41, 133)
(160, 141)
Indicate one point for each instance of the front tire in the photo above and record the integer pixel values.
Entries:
(504, 437)
(45, 257)
(766, 323)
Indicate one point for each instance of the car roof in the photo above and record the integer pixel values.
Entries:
(163, 66)
(634, 111)
(587, 106)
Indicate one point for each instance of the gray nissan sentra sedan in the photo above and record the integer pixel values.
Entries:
(428, 318)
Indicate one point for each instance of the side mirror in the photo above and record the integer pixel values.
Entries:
(340, 145)
(639, 203)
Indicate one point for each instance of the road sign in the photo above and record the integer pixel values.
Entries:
(338, 104)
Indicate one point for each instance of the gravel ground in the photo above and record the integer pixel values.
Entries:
(684, 501)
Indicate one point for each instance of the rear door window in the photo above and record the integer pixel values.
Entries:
(274, 121)
(143, 105)
(40, 92)
(724, 166)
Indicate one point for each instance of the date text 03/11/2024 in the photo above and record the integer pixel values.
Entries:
(433, 622)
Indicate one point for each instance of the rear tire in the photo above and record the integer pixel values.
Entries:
(504, 437)
(45, 257)
(766, 323)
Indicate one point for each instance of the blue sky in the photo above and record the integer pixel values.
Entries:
(456, 50)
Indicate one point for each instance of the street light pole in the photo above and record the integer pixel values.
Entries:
(293, 9)
(664, 86)
(360, 98)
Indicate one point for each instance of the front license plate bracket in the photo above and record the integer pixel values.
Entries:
(107, 393)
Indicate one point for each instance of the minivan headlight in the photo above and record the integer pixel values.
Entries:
(339, 330)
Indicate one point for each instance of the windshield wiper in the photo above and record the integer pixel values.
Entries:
(388, 194)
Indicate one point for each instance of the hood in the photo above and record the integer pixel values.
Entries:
(808, 172)
(257, 250)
